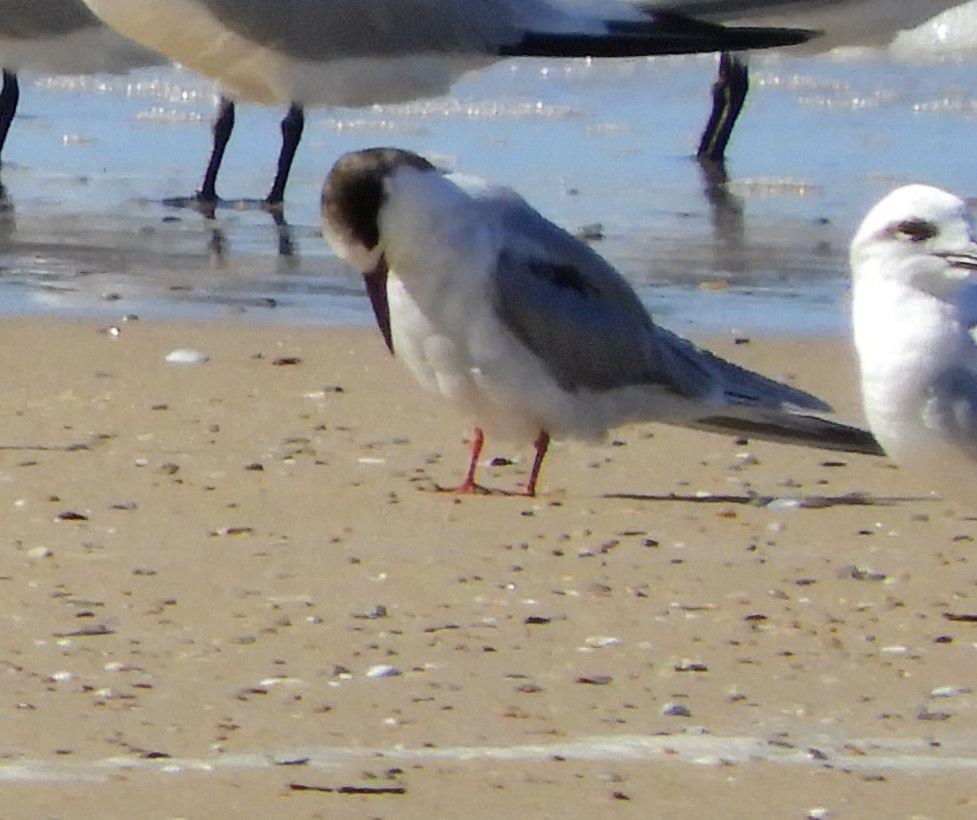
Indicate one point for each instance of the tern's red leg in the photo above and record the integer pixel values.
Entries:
(542, 444)
(469, 485)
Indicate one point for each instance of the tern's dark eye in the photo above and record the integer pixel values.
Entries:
(915, 230)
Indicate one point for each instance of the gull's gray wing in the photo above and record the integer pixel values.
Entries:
(35, 19)
(338, 29)
(583, 320)
(951, 409)
(738, 9)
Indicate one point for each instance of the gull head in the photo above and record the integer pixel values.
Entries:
(919, 236)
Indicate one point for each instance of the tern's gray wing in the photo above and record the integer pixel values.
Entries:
(34, 19)
(951, 409)
(586, 324)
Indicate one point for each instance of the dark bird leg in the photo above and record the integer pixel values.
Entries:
(292, 126)
(727, 217)
(9, 97)
(728, 95)
(286, 244)
(223, 126)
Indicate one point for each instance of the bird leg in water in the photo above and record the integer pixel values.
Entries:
(223, 126)
(728, 95)
(9, 96)
(292, 127)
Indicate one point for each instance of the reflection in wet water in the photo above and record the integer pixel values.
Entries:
(727, 213)
(217, 245)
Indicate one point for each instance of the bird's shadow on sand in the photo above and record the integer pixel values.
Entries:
(811, 502)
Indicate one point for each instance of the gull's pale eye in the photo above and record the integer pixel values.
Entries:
(913, 230)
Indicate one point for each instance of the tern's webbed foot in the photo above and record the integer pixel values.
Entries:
(471, 488)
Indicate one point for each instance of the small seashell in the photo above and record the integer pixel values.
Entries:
(785, 504)
(383, 670)
(281, 680)
(950, 691)
(186, 355)
(602, 641)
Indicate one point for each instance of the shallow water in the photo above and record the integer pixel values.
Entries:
(605, 145)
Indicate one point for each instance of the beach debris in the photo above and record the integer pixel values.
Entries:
(926, 714)
(961, 617)
(861, 573)
(602, 641)
(225, 531)
(785, 504)
(676, 710)
(379, 611)
(186, 355)
(382, 670)
(357, 790)
(596, 680)
(71, 515)
(539, 620)
(950, 691)
(87, 632)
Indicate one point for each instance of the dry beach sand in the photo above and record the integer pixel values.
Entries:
(227, 589)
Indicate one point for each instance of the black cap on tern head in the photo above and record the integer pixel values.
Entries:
(352, 194)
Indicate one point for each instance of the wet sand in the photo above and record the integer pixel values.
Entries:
(230, 589)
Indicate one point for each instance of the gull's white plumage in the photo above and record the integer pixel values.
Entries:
(914, 308)
(526, 328)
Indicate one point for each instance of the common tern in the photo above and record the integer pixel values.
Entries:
(527, 329)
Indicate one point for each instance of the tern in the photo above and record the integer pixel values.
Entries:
(528, 330)
(364, 52)
(914, 310)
